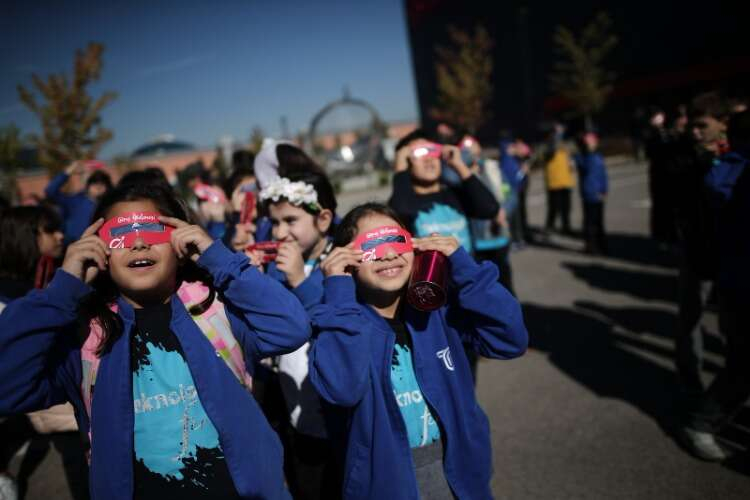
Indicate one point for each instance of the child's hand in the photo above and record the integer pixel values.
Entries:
(243, 236)
(87, 256)
(501, 218)
(290, 262)
(340, 261)
(74, 168)
(401, 162)
(443, 244)
(452, 156)
(256, 258)
(212, 212)
(188, 240)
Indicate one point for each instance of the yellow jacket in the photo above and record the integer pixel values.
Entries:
(558, 172)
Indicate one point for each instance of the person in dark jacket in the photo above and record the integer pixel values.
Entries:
(729, 183)
(414, 430)
(425, 204)
(76, 208)
(592, 181)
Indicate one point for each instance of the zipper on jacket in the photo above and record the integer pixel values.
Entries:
(401, 425)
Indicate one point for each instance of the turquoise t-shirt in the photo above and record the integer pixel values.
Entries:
(177, 451)
(421, 426)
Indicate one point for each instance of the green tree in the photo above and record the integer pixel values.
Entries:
(464, 79)
(69, 115)
(579, 75)
(10, 145)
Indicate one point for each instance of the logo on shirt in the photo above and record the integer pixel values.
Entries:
(445, 355)
(444, 220)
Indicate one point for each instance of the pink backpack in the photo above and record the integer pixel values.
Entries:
(213, 323)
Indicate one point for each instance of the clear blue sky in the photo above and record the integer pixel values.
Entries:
(204, 69)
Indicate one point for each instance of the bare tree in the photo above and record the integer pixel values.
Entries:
(70, 117)
(579, 74)
(464, 79)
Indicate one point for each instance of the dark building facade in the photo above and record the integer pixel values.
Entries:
(667, 52)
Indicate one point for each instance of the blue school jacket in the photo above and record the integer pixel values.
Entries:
(592, 176)
(309, 292)
(350, 366)
(40, 366)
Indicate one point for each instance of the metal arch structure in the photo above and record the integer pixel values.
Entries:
(346, 100)
(376, 124)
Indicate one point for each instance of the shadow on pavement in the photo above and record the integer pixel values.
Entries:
(641, 284)
(638, 249)
(633, 248)
(654, 321)
(581, 342)
(583, 346)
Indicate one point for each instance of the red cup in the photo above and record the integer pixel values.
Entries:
(429, 281)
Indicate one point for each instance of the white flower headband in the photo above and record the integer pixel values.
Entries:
(297, 193)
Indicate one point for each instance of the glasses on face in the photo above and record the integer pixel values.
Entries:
(123, 231)
(370, 244)
(430, 151)
(137, 227)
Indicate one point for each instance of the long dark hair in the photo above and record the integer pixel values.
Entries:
(97, 305)
(347, 228)
(19, 249)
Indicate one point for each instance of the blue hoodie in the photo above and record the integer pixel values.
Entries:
(510, 167)
(77, 209)
(592, 175)
(40, 366)
(350, 366)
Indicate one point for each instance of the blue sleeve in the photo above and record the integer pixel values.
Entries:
(263, 229)
(722, 177)
(32, 329)
(216, 229)
(310, 291)
(53, 191)
(490, 318)
(604, 176)
(268, 320)
(339, 358)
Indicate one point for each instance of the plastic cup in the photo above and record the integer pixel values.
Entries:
(429, 280)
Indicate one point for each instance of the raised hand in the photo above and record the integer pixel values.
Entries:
(452, 156)
(341, 261)
(87, 256)
(188, 240)
(290, 262)
(443, 244)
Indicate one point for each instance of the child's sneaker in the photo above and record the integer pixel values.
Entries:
(8, 488)
(702, 445)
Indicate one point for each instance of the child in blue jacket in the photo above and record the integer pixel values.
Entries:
(415, 428)
(76, 208)
(169, 417)
(301, 209)
(592, 179)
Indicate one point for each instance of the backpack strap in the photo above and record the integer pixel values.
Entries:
(215, 326)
